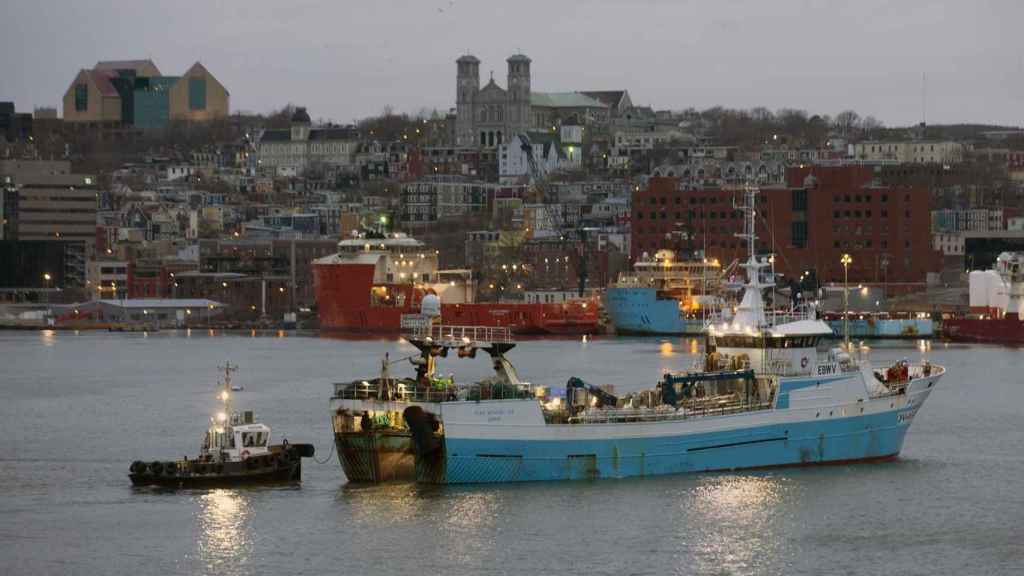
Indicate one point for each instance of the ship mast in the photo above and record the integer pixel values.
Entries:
(225, 394)
(750, 313)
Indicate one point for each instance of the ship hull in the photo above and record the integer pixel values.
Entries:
(193, 474)
(796, 444)
(639, 311)
(503, 446)
(885, 327)
(344, 305)
(376, 456)
(993, 330)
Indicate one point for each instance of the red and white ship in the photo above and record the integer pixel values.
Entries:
(997, 304)
(371, 283)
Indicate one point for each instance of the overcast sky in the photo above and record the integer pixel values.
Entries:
(349, 59)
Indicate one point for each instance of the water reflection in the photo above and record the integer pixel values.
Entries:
(665, 350)
(225, 541)
(382, 504)
(48, 337)
(732, 523)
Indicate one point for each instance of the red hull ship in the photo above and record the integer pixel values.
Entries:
(1006, 330)
(996, 300)
(371, 284)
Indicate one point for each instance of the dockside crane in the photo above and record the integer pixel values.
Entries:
(553, 219)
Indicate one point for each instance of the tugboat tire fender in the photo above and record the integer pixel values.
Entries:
(138, 467)
(156, 468)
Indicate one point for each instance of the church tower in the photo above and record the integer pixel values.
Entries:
(467, 84)
(518, 113)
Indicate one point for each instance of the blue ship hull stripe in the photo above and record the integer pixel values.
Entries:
(731, 444)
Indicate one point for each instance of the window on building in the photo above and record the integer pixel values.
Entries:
(799, 234)
(197, 93)
(800, 199)
(81, 97)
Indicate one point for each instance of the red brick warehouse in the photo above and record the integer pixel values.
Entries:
(821, 213)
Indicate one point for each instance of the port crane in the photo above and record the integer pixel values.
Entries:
(552, 218)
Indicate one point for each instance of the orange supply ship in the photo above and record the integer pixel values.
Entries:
(371, 283)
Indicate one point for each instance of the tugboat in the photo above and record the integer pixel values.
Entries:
(236, 450)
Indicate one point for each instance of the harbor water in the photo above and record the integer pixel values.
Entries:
(77, 408)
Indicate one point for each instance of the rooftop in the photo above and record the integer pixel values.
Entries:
(141, 303)
(564, 100)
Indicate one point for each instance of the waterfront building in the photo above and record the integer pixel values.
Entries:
(818, 214)
(43, 202)
(108, 278)
(149, 312)
(133, 93)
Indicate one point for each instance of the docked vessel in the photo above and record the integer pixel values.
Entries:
(996, 304)
(762, 396)
(665, 295)
(878, 325)
(371, 283)
(236, 450)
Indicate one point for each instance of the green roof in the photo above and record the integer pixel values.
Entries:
(564, 100)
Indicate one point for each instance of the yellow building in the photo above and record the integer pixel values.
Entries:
(133, 93)
(198, 96)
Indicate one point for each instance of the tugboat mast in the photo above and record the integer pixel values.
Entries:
(225, 395)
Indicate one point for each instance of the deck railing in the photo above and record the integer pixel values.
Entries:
(698, 410)
(396, 392)
(417, 328)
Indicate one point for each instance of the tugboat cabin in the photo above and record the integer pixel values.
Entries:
(237, 442)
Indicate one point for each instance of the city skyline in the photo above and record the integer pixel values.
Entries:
(345, 62)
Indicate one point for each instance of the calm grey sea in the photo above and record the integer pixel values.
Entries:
(76, 409)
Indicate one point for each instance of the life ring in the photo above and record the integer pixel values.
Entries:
(244, 454)
(803, 362)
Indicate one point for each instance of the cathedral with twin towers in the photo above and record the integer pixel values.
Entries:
(490, 116)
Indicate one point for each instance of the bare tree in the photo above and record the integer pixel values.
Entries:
(847, 121)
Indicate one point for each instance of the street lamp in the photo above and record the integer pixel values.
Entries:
(846, 260)
(46, 284)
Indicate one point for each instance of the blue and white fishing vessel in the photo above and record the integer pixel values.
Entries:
(665, 295)
(763, 395)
